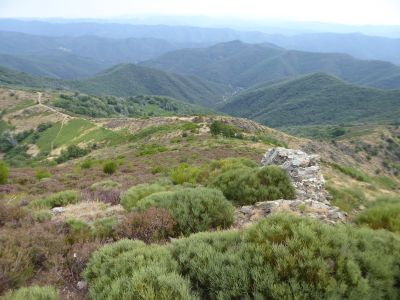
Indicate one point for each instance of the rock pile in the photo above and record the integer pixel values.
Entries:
(311, 196)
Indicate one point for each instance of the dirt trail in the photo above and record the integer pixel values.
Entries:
(39, 102)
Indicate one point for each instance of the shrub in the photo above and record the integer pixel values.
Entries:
(87, 164)
(287, 257)
(59, 199)
(150, 149)
(105, 185)
(352, 172)
(71, 152)
(184, 173)
(42, 173)
(110, 167)
(106, 196)
(104, 228)
(226, 130)
(12, 215)
(346, 199)
(34, 293)
(136, 193)
(130, 270)
(246, 186)
(193, 209)
(41, 216)
(151, 225)
(383, 213)
(78, 230)
(4, 171)
(27, 250)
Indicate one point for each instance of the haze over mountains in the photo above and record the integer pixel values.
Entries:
(330, 78)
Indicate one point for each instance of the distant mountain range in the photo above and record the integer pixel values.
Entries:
(358, 45)
(243, 65)
(315, 99)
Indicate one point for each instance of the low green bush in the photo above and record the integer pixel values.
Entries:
(110, 167)
(136, 193)
(105, 185)
(287, 257)
(87, 164)
(59, 199)
(352, 172)
(104, 228)
(33, 293)
(42, 174)
(346, 199)
(184, 173)
(4, 171)
(130, 270)
(78, 230)
(245, 186)
(41, 216)
(151, 149)
(383, 213)
(225, 130)
(193, 209)
(72, 152)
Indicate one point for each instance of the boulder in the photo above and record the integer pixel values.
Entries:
(303, 169)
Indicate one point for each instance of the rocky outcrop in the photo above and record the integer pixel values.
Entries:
(311, 196)
(303, 169)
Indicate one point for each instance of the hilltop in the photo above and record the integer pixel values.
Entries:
(245, 65)
(315, 99)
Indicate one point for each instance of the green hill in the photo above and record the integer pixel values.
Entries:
(60, 65)
(315, 99)
(129, 80)
(244, 65)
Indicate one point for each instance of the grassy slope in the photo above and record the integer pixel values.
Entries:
(244, 65)
(315, 99)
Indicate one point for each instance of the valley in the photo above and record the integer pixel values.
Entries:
(181, 162)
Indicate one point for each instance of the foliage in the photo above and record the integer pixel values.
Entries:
(136, 193)
(72, 152)
(151, 225)
(225, 130)
(42, 174)
(58, 199)
(245, 186)
(104, 228)
(41, 216)
(34, 293)
(106, 185)
(87, 164)
(133, 106)
(193, 209)
(286, 257)
(110, 167)
(352, 172)
(292, 103)
(184, 173)
(151, 149)
(346, 199)
(3, 172)
(130, 270)
(383, 213)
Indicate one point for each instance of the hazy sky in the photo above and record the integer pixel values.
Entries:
(337, 11)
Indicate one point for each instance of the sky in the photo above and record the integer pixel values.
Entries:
(353, 12)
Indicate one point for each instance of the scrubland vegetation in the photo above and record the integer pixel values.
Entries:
(145, 209)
